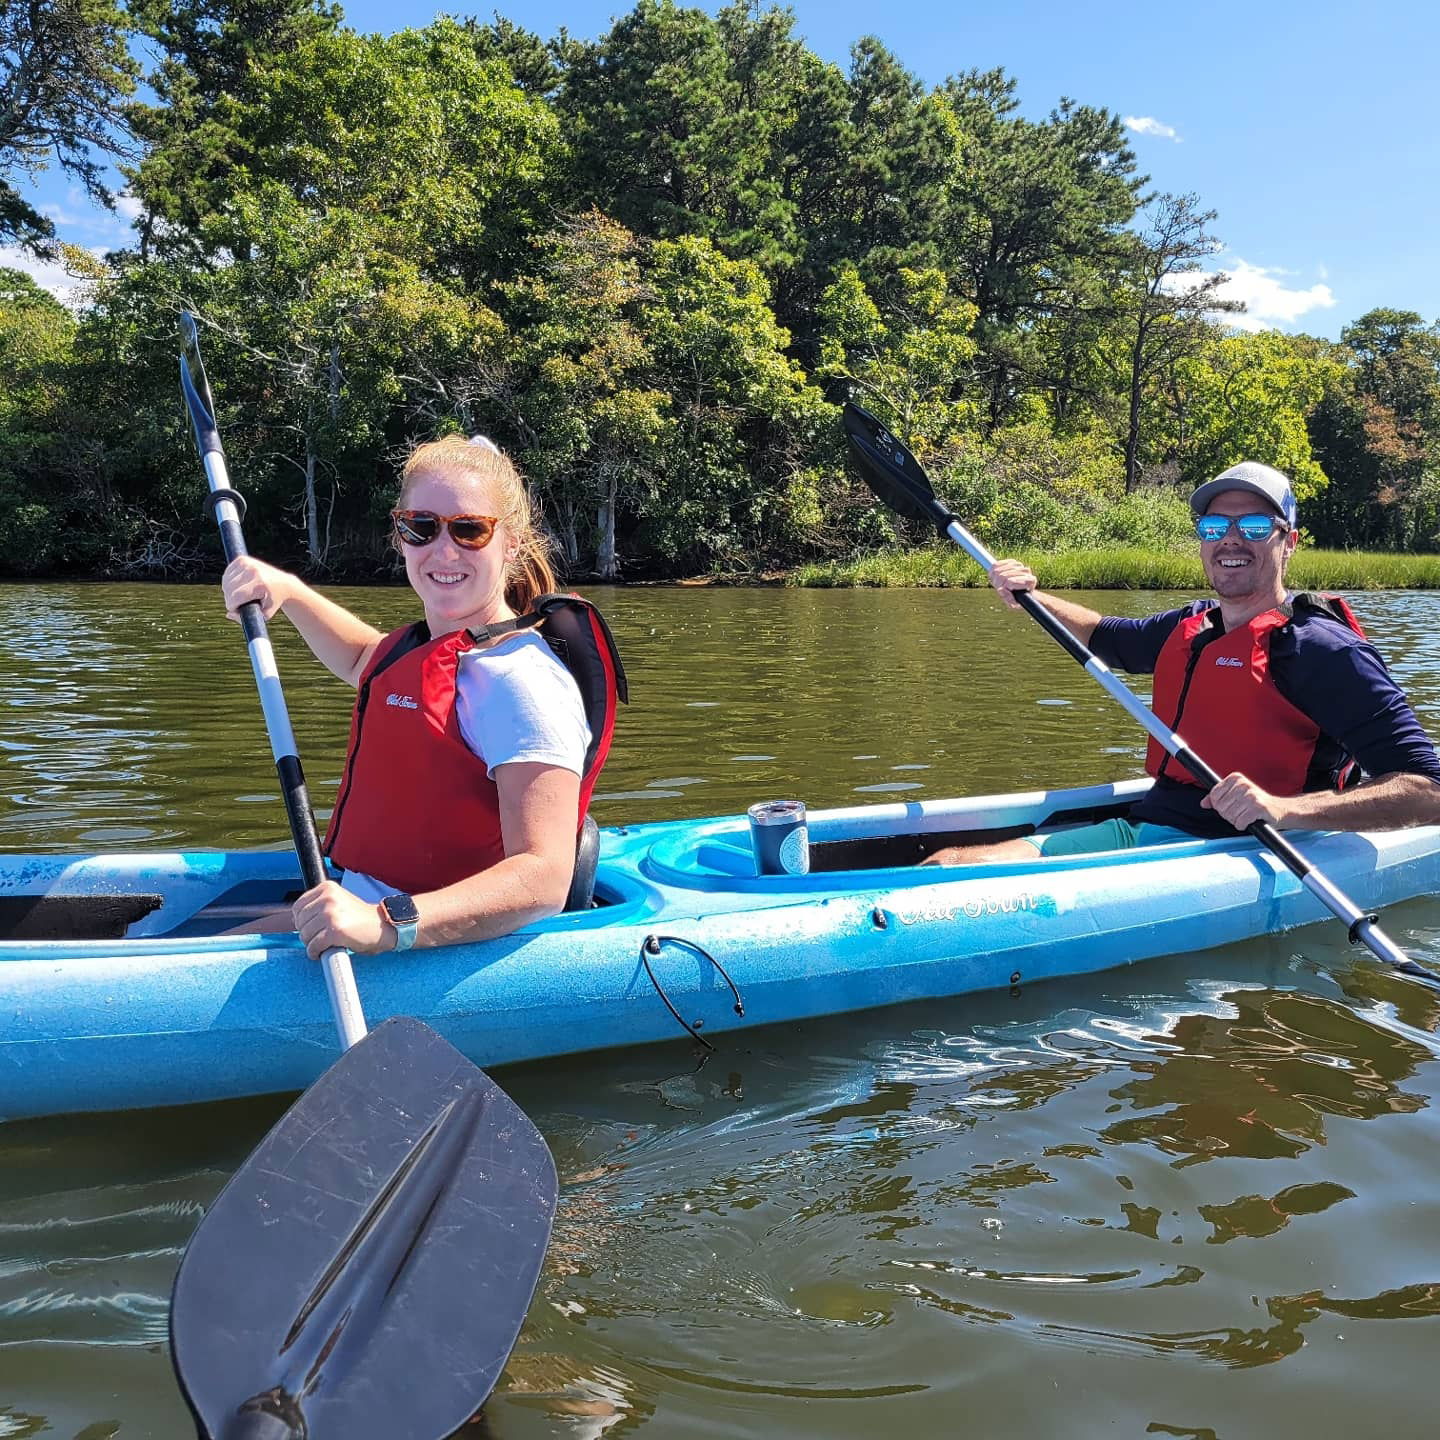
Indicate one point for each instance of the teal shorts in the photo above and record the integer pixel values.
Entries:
(1105, 835)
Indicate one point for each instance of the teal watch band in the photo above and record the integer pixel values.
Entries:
(400, 911)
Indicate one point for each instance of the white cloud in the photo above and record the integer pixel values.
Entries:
(1149, 125)
(128, 207)
(50, 275)
(1268, 300)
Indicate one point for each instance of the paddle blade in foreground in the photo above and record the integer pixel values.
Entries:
(891, 471)
(365, 1274)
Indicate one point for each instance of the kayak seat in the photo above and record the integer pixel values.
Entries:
(72, 917)
(587, 858)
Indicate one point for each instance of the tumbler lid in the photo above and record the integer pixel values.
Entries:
(776, 812)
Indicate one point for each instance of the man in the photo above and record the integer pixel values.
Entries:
(1280, 694)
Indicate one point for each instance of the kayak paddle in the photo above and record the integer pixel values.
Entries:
(896, 477)
(365, 1273)
(228, 508)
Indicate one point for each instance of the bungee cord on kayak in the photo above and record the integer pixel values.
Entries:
(651, 945)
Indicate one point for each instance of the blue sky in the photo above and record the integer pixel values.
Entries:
(1310, 127)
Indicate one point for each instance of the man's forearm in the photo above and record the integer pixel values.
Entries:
(1079, 620)
(1388, 802)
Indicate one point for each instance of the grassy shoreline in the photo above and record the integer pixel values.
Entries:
(948, 567)
(1117, 569)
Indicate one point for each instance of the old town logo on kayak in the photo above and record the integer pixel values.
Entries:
(999, 904)
(403, 702)
(931, 910)
(1234, 660)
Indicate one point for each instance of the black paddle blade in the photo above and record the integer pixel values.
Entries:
(194, 365)
(365, 1274)
(195, 386)
(891, 471)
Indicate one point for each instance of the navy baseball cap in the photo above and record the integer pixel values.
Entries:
(1271, 485)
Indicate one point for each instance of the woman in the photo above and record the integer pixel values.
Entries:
(471, 754)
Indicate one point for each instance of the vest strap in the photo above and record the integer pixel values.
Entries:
(504, 627)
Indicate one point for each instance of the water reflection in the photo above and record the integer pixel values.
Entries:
(1261, 1082)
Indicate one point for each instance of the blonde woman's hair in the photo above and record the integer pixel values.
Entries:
(532, 571)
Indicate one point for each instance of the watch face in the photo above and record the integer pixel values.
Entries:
(401, 909)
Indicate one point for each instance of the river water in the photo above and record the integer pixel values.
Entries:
(1192, 1198)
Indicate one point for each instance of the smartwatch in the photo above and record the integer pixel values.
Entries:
(400, 911)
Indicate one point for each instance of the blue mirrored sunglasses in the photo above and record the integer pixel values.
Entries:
(1251, 527)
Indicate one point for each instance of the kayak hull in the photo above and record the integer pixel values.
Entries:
(166, 1015)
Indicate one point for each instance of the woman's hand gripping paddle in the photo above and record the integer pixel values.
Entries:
(897, 478)
(365, 1273)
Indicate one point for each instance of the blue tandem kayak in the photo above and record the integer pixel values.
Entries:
(167, 1012)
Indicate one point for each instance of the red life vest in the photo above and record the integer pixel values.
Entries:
(1235, 718)
(416, 808)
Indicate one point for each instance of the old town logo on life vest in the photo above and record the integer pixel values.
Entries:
(386, 825)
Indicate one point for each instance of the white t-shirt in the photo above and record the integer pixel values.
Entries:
(516, 704)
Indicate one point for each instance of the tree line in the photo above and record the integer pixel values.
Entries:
(651, 265)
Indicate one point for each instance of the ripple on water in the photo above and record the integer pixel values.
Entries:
(94, 1266)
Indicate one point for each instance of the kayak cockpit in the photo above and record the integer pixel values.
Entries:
(109, 897)
(718, 854)
(194, 896)
(73, 917)
(979, 822)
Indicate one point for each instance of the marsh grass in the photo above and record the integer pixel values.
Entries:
(1119, 568)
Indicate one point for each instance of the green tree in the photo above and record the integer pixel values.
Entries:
(672, 118)
(533, 62)
(726, 127)
(864, 164)
(197, 131)
(1162, 302)
(899, 156)
(65, 74)
(1249, 397)
(391, 178)
(739, 482)
(572, 389)
(906, 362)
(330, 333)
(435, 145)
(1032, 211)
(1377, 433)
(37, 336)
(83, 465)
